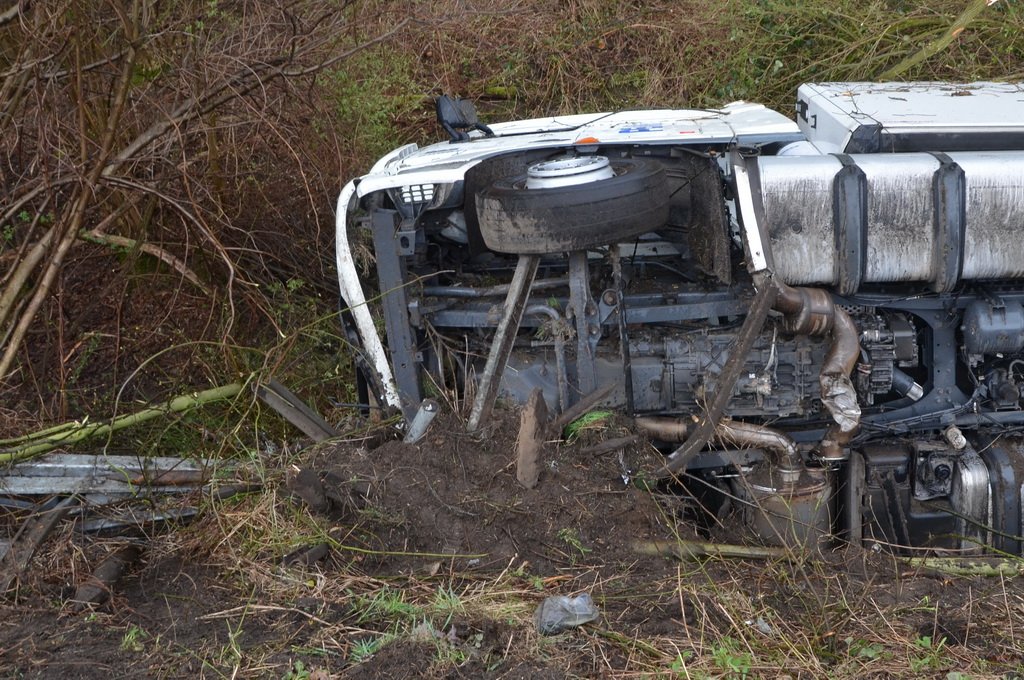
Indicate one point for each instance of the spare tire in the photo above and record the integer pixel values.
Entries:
(515, 219)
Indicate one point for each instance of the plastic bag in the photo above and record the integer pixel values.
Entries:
(559, 612)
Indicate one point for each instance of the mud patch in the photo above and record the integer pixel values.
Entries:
(455, 497)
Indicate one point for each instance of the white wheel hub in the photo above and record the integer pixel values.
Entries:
(563, 172)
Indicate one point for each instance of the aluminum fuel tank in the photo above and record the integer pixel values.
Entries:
(936, 218)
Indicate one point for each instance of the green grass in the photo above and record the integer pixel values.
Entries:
(515, 62)
(603, 55)
(379, 100)
(593, 420)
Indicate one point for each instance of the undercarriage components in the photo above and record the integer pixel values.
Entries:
(812, 312)
(508, 326)
(781, 449)
(762, 296)
(935, 497)
(993, 326)
(795, 513)
(708, 423)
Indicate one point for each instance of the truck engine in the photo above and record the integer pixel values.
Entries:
(819, 322)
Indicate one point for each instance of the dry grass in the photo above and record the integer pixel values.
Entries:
(714, 619)
(848, 616)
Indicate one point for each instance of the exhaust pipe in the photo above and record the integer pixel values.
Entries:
(806, 311)
(782, 450)
(811, 311)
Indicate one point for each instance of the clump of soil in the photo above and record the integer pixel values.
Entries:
(455, 496)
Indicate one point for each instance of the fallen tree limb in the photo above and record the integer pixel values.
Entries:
(579, 408)
(72, 433)
(958, 566)
(610, 445)
(691, 550)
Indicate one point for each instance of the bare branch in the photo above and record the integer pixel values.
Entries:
(175, 262)
(11, 13)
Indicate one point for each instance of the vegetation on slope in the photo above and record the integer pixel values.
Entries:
(168, 171)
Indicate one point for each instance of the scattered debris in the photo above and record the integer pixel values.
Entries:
(307, 556)
(761, 625)
(66, 434)
(73, 473)
(95, 589)
(530, 442)
(83, 483)
(295, 411)
(88, 481)
(305, 484)
(611, 445)
(689, 550)
(421, 421)
(28, 539)
(133, 518)
(559, 613)
(324, 491)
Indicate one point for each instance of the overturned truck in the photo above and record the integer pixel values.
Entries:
(820, 320)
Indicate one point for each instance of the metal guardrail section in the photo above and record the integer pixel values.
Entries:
(70, 473)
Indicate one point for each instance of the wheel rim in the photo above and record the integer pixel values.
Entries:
(563, 172)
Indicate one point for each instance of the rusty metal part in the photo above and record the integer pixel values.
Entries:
(838, 394)
(811, 311)
(96, 588)
(842, 355)
(786, 458)
(805, 311)
(558, 333)
(664, 429)
(782, 450)
(779, 510)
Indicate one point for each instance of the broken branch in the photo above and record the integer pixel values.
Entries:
(692, 550)
(79, 431)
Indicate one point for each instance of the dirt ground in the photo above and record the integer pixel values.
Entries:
(383, 560)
